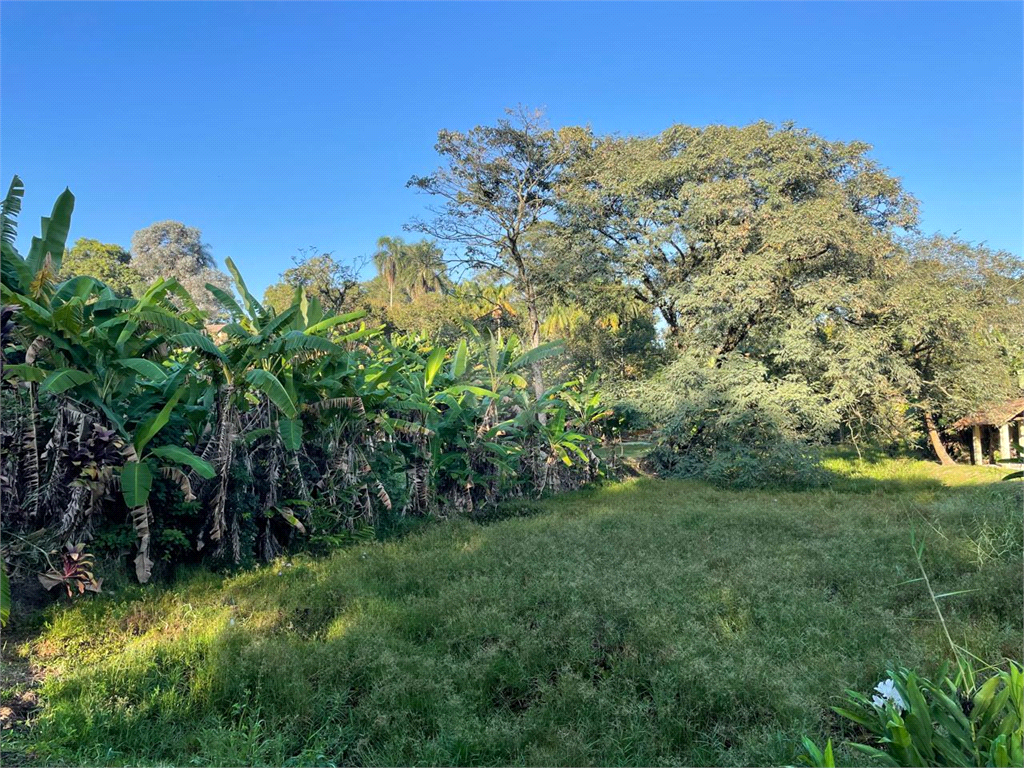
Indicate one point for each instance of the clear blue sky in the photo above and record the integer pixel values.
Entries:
(277, 126)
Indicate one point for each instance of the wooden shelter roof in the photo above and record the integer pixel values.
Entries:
(996, 414)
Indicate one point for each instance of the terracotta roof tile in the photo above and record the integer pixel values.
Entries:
(996, 414)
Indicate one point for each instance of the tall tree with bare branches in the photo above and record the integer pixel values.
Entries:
(495, 191)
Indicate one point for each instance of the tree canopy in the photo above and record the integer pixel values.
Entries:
(495, 189)
(320, 275)
(107, 262)
(169, 249)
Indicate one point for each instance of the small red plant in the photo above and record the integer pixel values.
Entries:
(75, 572)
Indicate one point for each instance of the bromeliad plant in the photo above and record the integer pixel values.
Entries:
(74, 574)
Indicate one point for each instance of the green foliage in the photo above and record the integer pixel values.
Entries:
(172, 251)
(726, 231)
(918, 722)
(238, 432)
(108, 263)
(818, 758)
(780, 246)
(5, 596)
(733, 424)
(644, 623)
(495, 189)
(322, 277)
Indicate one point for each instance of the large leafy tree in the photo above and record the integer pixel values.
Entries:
(728, 232)
(495, 189)
(320, 275)
(952, 313)
(169, 249)
(759, 248)
(107, 262)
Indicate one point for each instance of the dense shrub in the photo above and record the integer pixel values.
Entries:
(733, 424)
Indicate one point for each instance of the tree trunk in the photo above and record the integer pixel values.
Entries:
(534, 315)
(936, 440)
(535, 370)
(537, 376)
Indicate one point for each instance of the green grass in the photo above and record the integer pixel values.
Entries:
(643, 623)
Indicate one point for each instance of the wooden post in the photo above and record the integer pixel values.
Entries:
(993, 444)
(977, 455)
(1004, 442)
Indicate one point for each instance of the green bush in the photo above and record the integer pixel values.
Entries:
(735, 425)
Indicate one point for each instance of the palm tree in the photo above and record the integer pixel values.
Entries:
(493, 300)
(390, 260)
(425, 269)
(562, 320)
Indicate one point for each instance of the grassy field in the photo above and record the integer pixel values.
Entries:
(642, 623)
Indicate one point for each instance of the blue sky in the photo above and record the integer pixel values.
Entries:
(277, 126)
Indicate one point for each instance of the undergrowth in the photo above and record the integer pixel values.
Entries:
(641, 623)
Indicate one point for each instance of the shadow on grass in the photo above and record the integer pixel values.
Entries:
(639, 623)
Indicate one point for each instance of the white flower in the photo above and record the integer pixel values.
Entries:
(887, 692)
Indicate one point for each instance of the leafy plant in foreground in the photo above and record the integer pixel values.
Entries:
(953, 720)
(75, 573)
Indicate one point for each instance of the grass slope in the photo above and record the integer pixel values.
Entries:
(643, 623)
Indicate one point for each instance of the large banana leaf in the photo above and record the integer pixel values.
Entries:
(255, 309)
(184, 456)
(144, 367)
(227, 301)
(9, 211)
(530, 357)
(54, 230)
(330, 322)
(433, 365)
(268, 330)
(24, 372)
(160, 319)
(291, 433)
(82, 287)
(148, 429)
(64, 379)
(458, 389)
(136, 483)
(268, 384)
(459, 359)
(297, 341)
(196, 340)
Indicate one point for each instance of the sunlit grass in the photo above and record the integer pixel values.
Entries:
(644, 623)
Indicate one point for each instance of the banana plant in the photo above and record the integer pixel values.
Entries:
(142, 465)
(272, 369)
(319, 410)
(97, 359)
